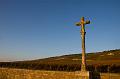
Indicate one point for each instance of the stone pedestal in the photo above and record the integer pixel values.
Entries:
(87, 75)
(83, 74)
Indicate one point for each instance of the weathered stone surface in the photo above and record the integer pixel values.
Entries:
(7, 73)
(82, 74)
(82, 23)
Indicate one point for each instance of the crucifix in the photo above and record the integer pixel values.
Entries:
(82, 23)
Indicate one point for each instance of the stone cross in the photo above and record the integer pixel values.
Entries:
(82, 23)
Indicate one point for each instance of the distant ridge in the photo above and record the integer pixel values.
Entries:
(106, 61)
(105, 57)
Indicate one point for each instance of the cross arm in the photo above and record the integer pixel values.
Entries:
(78, 24)
(87, 22)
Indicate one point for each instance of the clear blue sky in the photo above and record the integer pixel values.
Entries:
(33, 29)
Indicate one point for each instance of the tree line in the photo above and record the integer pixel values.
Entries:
(61, 67)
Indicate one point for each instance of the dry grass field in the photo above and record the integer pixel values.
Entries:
(9, 73)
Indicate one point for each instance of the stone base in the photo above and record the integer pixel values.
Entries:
(83, 74)
(87, 75)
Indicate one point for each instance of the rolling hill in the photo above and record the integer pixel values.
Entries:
(101, 61)
(104, 57)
